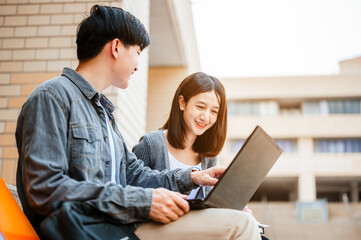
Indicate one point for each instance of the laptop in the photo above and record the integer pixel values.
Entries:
(243, 176)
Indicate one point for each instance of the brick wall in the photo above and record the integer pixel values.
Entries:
(37, 39)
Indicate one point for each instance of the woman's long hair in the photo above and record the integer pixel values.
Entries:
(210, 143)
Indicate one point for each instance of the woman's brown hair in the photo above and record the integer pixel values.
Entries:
(210, 143)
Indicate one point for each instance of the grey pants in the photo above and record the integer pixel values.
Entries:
(212, 223)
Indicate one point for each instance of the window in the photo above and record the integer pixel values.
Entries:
(290, 107)
(332, 107)
(338, 145)
(287, 145)
(236, 145)
(265, 108)
(348, 106)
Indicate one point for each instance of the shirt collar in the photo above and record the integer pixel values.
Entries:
(87, 89)
(106, 103)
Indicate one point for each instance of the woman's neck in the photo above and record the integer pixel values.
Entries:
(189, 141)
(187, 155)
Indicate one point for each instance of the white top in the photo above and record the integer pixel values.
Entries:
(174, 163)
(111, 144)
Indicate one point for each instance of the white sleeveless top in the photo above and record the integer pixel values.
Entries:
(174, 163)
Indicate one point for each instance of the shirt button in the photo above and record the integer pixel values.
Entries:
(107, 162)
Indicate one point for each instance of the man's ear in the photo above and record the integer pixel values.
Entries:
(115, 45)
(181, 103)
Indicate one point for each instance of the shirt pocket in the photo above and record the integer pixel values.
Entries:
(86, 147)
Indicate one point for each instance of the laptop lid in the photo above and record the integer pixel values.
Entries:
(246, 172)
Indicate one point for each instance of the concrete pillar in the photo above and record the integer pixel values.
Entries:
(264, 198)
(354, 192)
(307, 187)
(305, 147)
(344, 197)
(292, 196)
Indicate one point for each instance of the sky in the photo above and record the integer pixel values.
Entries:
(245, 38)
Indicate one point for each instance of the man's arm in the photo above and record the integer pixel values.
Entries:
(42, 137)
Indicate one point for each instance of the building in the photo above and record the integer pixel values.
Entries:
(315, 119)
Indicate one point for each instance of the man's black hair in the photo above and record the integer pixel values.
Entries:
(105, 24)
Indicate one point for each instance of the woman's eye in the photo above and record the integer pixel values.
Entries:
(200, 107)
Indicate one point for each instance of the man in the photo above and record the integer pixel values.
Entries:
(74, 164)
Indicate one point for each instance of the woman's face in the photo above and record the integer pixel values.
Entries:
(200, 112)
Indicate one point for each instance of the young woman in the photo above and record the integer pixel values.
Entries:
(195, 131)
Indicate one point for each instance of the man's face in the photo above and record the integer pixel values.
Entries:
(126, 64)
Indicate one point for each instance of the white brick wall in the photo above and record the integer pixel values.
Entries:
(68, 30)
(36, 42)
(15, 20)
(9, 114)
(60, 42)
(7, 31)
(23, 54)
(62, 19)
(57, 66)
(75, 8)
(3, 102)
(35, 66)
(4, 78)
(39, 20)
(28, 9)
(49, 31)
(26, 31)
(67, 53)
(45, 54)
(8, 10)
(13, 43)
(51, 8)
(9, 66)
(5, 54)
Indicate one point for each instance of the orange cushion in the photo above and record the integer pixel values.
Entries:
(13, 222)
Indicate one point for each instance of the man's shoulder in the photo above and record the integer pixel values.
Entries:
(56, 84)
(59, 87)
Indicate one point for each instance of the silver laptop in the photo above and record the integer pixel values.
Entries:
(243, 176)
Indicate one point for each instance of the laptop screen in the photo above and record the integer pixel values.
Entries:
(246, 172)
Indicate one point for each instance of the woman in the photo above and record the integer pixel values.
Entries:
(195, 131)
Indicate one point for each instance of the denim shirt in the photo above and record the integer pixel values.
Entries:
(64, 155)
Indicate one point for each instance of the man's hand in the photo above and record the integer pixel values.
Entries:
(167, 206)
(208, 177)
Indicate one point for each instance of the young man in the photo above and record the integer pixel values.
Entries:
(74, 166)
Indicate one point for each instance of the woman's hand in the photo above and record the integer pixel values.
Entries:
(208, 177)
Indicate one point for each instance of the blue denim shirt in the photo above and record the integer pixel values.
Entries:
(64, 155)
